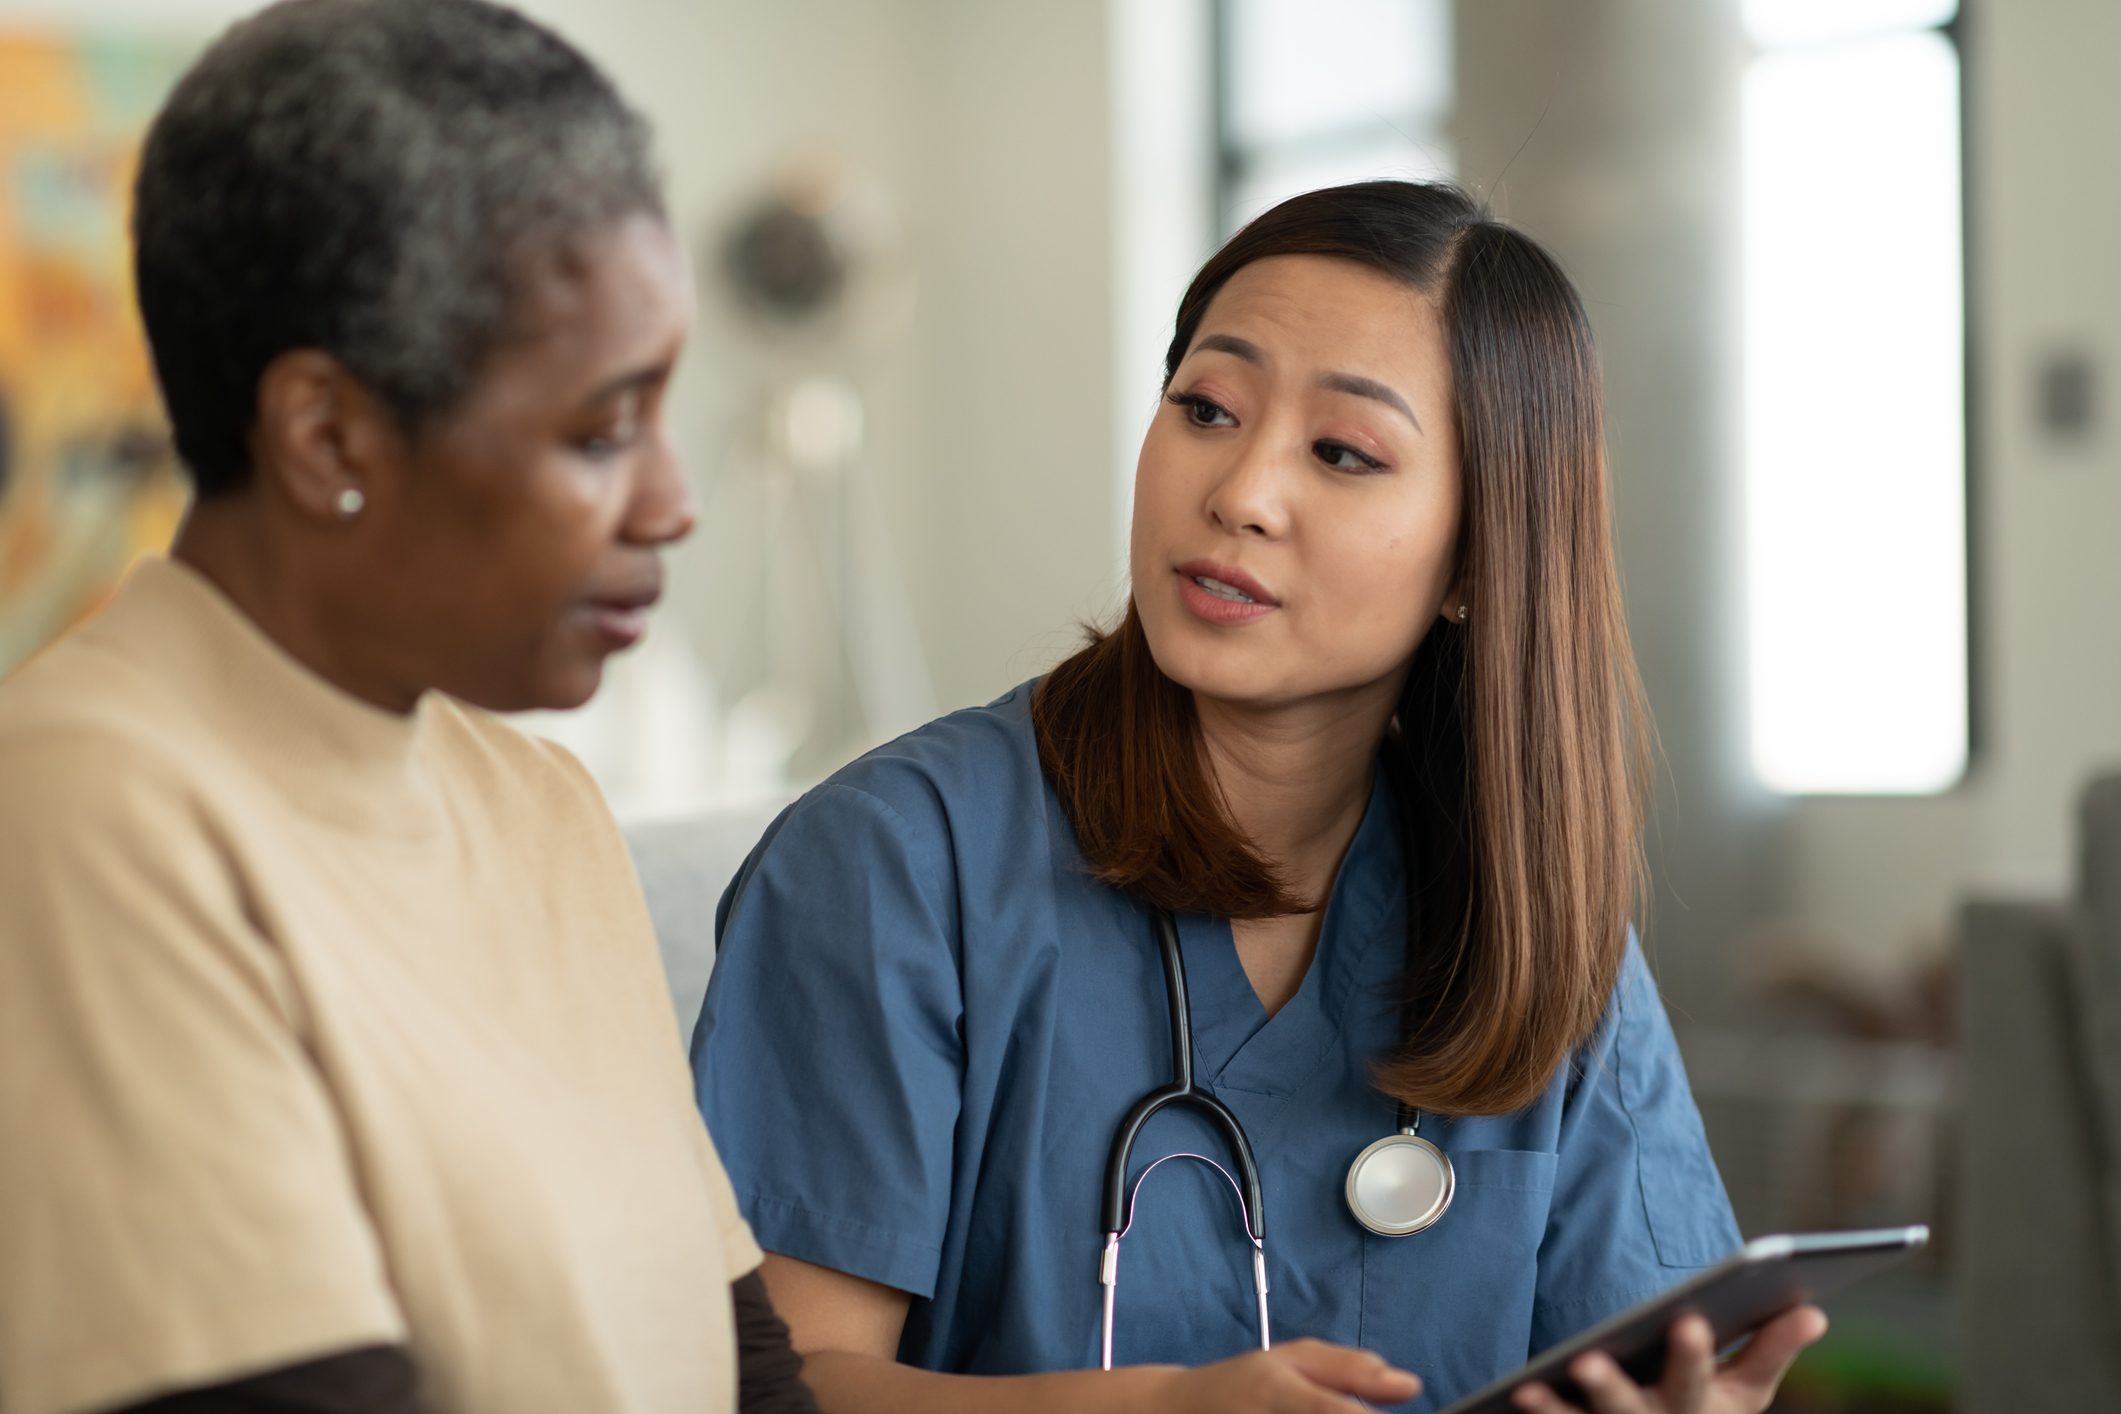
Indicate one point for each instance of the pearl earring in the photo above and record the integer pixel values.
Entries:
(348, 503)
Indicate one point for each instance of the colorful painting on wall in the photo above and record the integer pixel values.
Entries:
(87, 479)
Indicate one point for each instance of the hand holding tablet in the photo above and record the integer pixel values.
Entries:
(1693, 1382)
(1660, 1357)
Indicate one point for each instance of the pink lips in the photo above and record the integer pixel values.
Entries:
(622, 619)
(622, 628)
(1213, 608)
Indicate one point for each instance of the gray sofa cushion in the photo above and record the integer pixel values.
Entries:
(2095, 966)
(684, 867)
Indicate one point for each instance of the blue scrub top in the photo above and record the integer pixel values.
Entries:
(926, 1020)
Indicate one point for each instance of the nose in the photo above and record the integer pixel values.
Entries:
(1250, 497)
(664, 509)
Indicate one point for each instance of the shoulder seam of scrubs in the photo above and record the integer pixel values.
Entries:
(934, 855)
(870, 796)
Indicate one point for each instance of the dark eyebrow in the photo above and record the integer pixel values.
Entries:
(1354, 383)
(636, 381)
(1363, 387)
(1231, 344)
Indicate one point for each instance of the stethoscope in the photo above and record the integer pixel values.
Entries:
(1398, 1185)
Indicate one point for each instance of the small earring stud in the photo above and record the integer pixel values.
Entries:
(1461, 613)
(349, 502)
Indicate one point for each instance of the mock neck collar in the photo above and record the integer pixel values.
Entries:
(331, 753)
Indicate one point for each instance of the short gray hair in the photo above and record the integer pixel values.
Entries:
(368, 178)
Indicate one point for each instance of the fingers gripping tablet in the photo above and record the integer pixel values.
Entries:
(1738, 1295)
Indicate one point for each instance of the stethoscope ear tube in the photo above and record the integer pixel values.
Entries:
(1112, 1213)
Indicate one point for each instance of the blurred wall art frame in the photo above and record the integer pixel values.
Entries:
(88, 482)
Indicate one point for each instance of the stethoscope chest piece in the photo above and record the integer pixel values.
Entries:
(1400, 1185)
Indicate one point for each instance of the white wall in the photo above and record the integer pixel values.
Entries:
(1010, 531)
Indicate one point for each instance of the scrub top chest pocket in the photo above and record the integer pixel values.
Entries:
(1481, 1256)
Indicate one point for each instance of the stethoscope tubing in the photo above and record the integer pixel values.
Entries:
(1181, 1091)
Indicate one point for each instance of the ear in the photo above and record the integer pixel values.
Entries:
(1454, 599)
(319, 434)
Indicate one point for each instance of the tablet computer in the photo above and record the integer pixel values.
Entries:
(1739, 1295)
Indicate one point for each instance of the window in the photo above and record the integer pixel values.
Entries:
(1326, 92)
(1855, 397)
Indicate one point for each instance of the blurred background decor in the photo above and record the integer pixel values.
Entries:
(86, 479)
(820, 654)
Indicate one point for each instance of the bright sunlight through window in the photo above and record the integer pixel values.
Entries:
(1855, 456)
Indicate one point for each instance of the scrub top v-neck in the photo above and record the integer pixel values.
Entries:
(926, 1019)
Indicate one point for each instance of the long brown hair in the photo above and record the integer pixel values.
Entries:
(1520, 747)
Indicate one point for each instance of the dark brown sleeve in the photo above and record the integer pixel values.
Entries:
(769, 1374)
(378, 1379)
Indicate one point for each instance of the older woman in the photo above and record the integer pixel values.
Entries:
(336, 1067)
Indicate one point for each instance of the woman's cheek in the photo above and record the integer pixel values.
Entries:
(1392, 593)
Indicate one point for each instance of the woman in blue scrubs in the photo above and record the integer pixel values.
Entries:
(1370, 730)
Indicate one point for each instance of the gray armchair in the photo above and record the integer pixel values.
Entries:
(2039, 1219)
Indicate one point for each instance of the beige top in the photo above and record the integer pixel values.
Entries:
(321, 1027)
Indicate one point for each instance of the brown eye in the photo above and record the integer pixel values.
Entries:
(1342, 457)
(1202, 412)
(613, 438)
